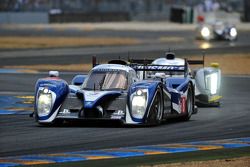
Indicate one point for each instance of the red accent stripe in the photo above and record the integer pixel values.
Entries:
(183, 104)
(53, 78)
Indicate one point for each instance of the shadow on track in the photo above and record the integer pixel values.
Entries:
(106, 124)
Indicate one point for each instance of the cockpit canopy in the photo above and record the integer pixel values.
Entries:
(106, 80)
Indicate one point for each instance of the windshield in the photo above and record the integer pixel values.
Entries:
(106, 80)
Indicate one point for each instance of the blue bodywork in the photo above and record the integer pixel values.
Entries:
(179, 84)
(151, 86)
(56, 85)
(78, 79)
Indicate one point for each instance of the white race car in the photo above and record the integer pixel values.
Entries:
(216, 31)
(207, 79)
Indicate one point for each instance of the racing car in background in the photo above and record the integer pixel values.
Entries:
(217, 30)
(119, 91)
(207, 80)
(208, 84)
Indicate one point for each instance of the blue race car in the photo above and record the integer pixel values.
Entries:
(119, 92)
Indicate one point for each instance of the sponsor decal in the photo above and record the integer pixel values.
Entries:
(65, 111)
(159, 68)
(118, 114)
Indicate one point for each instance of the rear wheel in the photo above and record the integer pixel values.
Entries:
(156, 110)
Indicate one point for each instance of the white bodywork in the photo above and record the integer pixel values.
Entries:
(208, 83)
(164, 61)
(113, 67)
(207, 80)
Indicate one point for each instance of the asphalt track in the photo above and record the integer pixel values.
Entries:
(20, 135)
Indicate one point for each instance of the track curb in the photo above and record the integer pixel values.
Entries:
(124, 152)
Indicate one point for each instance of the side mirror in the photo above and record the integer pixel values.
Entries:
(78, 80)
(53, 73)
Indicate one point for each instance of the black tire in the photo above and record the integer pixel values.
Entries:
(156, 110)
(189, 104)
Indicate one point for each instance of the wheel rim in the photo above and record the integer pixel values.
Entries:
(155, 113)
(189, 104)
(158, 108)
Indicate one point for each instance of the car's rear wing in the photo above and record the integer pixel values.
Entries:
(153, 67)
(146, 65)
(197, 62)
(149, 61)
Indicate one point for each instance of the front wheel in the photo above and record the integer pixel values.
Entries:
(189, 104)
(156, 110)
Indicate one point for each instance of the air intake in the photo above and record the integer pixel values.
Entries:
(170, 55)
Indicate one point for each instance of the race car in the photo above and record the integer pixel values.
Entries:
(208, 83)
(117, 92)
(216, 31)
(207, 79)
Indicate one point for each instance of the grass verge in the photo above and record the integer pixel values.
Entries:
(57, 42)
(233, 64)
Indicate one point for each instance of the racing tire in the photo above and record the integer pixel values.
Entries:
(156, 110)
(189, 104)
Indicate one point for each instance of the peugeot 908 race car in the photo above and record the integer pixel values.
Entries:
(207, 79)
(118, 92)
(216, 31)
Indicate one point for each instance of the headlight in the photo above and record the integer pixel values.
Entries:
(44, 103)
(212, 82)
(139, 103)
(233, 32)
(205, 32)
